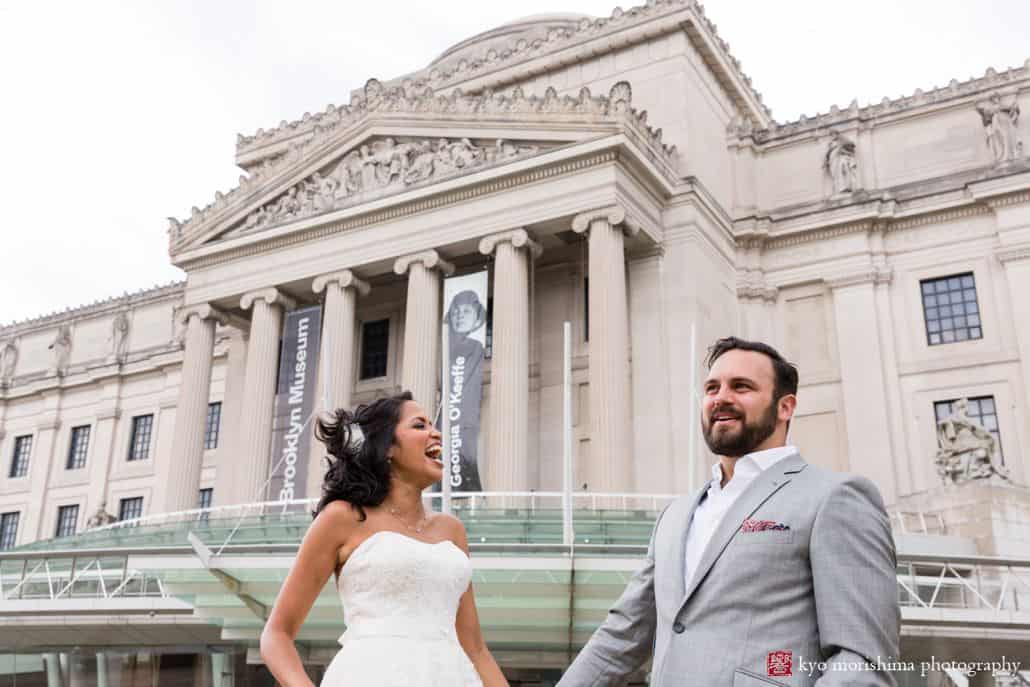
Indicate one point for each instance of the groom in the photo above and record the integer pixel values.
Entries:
(776, 573)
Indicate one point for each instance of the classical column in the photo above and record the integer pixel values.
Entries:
(254, 440)
(863, 386)
(336, 359)
(181, 475)
(611, 422)
(509, 366)
(422, 324)
(225, 492)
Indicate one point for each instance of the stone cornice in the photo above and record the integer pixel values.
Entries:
(440, 200)
(103, 307)
(754, 291)
(1012, 78)
(1005, 254)
(346, 280)
(430, 259)
(591, 37)
(519, 238)
(872, 275)
(270, 295)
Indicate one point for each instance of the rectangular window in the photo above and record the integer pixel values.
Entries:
(204, 500)
(375, 347)
(8, 530)
(982, 410)
(205, 497)
(488, 349)
(139, 444)
(20, 459)
(67, 518)
(950, 309)
(214, 420)
(586, 308)
(77, 448)
(130, 509)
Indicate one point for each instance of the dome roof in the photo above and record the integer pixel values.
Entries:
(505, 36)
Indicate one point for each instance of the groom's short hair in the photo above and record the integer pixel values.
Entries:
(784, 373)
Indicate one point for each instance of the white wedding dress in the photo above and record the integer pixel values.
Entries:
(400, 597)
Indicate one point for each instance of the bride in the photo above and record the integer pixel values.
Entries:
(402, 573)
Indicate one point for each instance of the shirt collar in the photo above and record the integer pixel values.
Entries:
(753, 463)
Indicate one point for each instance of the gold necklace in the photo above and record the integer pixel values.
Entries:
(419, 524)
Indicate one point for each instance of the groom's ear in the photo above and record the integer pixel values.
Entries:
(785, 407)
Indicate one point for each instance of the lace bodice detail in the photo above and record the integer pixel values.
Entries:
(395, 585)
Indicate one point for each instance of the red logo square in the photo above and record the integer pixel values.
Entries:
(779, 664)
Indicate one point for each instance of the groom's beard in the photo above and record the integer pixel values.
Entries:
(745, 439)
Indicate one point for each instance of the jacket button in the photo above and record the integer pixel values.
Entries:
(678, 628)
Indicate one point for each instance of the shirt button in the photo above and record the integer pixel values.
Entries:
(678, 628)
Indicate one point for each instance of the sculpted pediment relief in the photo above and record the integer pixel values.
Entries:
(377, 168)
(386, 143)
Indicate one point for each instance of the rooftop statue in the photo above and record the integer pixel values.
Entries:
(100, 518)
(840, 163)
(1000, 116)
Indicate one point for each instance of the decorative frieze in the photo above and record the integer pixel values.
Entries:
(379, 168)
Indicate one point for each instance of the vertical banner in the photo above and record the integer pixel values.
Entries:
(465, 300)
(294, 403)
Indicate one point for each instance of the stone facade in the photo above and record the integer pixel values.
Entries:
(663, 205)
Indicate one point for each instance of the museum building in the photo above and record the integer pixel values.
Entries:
(618, 173)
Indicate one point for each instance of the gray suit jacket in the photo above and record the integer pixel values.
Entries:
(813, 604)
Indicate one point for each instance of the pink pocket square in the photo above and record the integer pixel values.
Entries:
(762, 525)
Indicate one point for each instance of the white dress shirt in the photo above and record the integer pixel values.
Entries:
(718, 500)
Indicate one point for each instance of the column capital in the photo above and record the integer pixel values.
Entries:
(204, 311)
(615, 215)
(345, 278)
(270, 295)
(518, 238)
(430, 259)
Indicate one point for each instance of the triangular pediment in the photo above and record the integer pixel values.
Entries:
(390, 142)
(381, 166)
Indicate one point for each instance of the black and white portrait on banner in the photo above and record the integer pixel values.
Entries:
(465, 302)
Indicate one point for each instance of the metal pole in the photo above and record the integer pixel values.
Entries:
(694, 414)
(568, 532)
(445, 418)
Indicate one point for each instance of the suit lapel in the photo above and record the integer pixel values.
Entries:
(757, 493)
(679, 548)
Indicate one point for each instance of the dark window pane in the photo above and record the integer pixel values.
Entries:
(214, 420)
(139, 443)
(969, 295)
(77, 448)
(375, 342)
(953, 299)
(8, 530)
(933, 325)
(927, 287)
(948, 336)
(954, 284)
(131, 508)
(975, 332)
(933, 313)
(67, 518)
(20, 459)
(935, 338)
(929, 301)
(967, 281)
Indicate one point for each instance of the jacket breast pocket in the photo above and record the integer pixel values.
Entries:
(766, 537)
(745, 678)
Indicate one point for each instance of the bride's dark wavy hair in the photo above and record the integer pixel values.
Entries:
(359, 475)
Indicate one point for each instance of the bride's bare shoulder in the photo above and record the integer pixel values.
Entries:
(337, 521)
(452, 528)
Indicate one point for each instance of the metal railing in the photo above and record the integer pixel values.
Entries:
(72, 577)
(983, 583)
(917, 522)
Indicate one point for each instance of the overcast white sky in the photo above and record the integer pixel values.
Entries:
(118, 114)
